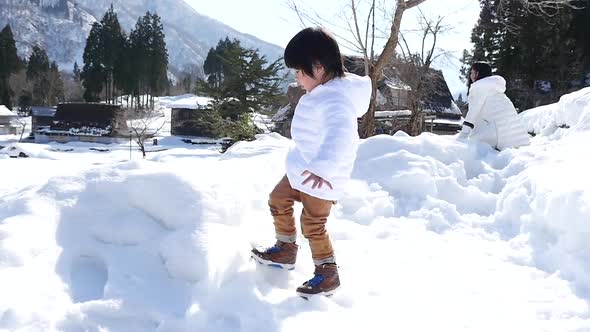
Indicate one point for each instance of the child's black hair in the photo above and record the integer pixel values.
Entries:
(313, 46)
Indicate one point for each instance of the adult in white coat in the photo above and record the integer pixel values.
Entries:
(325, 137)
(492, 117)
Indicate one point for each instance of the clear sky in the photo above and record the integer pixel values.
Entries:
(274, 22)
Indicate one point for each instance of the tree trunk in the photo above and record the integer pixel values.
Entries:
(22, 132)
(367, 128)
(368, 121)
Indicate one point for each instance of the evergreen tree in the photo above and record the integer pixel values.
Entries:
(157, 57)
(466, 61)
(76, 72)
(581, 29)
(538, 55)
(148, 71)
(93, 74)
(112, 39)
(486, 32)
(138, 50)
(105, 47)
(237, 72)
(56, 85)
(38, 76)
(9, 64)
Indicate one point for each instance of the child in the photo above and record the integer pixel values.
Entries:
(324, 130)
(491, 117)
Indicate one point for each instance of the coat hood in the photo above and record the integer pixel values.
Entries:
(356, 89)
(489, 85)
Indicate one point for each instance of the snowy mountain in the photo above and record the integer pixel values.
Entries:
(433, 234)
(62, 26)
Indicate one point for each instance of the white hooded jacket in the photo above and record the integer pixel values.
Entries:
(493, 115)
(324, 130)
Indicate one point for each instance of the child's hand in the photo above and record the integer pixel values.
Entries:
(317, 181)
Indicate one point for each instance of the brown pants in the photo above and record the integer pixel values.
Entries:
(313, 219)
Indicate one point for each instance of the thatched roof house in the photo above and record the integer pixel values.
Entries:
(440, 113)
(89, 122)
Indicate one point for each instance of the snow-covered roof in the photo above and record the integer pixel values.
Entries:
(43, 111)
(4, 111)
(188, 101)
(281, 114)
(396, 84)
(386, 114)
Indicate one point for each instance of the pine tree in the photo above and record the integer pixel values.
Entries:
(485, 34)
(581, 29)
(103, 53)
(76, 72)
(9, 64)
(56, 92)
(139, 51)
(112, 39)
(147, 73)
(466, 62)
(93, 74)
(158, 58)
(528, 49)
(38, 75)
(237, 72)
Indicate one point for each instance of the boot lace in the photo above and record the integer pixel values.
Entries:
(316, 280)
(273, 249)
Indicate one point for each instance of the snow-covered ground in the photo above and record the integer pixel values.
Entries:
(433, 235)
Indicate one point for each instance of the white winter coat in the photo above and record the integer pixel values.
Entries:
(493, 115)
(324, 130)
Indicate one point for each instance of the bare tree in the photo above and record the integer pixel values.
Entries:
(145, 125)
(361, 32)
(22, 121)
(414, 68)
(363, 41)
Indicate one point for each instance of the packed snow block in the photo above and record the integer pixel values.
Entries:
(129, 233)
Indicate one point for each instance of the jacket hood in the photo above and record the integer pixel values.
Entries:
(490, 85)
(357, 89)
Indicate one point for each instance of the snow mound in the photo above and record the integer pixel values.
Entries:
(471, 238)
(572, 111)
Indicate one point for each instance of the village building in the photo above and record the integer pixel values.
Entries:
(7, 125)
(186, 114)
(85, 122)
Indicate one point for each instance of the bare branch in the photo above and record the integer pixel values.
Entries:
(356, 26)
(373, 34)
(546, 8)
(145, 126)
(411, 3)
(407, 52)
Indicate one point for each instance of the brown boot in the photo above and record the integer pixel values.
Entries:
(282, 255)
(324, 282)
